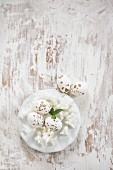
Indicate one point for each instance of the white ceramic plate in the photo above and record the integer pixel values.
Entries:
(28, 133)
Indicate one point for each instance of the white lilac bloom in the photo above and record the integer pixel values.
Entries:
(63, 115)
(65, 103)
(65, 131)
(38, 138)
(45, 137)
(68, 118)
(53, 101)
(71, 120)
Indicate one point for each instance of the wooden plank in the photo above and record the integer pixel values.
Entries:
(40, 39)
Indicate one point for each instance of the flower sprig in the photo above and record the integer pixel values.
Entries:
(53, 112)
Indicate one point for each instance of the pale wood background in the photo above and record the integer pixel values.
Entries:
(38, 40)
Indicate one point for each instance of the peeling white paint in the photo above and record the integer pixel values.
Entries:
(79, 36)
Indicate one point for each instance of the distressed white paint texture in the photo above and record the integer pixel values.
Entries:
(38, 40)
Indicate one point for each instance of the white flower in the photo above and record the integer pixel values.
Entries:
(53, 100)
(65, 103)
(71, 120)
(53, 141)
(45, 136)
(68, 118)
(63, 115)
(65, 131)
(38, 138)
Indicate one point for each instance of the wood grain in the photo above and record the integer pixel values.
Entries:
(40, 39)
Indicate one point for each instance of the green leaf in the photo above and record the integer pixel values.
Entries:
(53, 117)
(57, 111)
(51, 112)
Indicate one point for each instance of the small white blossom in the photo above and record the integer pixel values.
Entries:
(65, 131)
(65, 103)
(69, 119)
(45, 136)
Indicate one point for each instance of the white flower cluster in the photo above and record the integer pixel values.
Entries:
(68, 119)
(46, 136)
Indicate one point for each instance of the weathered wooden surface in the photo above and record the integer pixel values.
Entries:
(39, 39)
